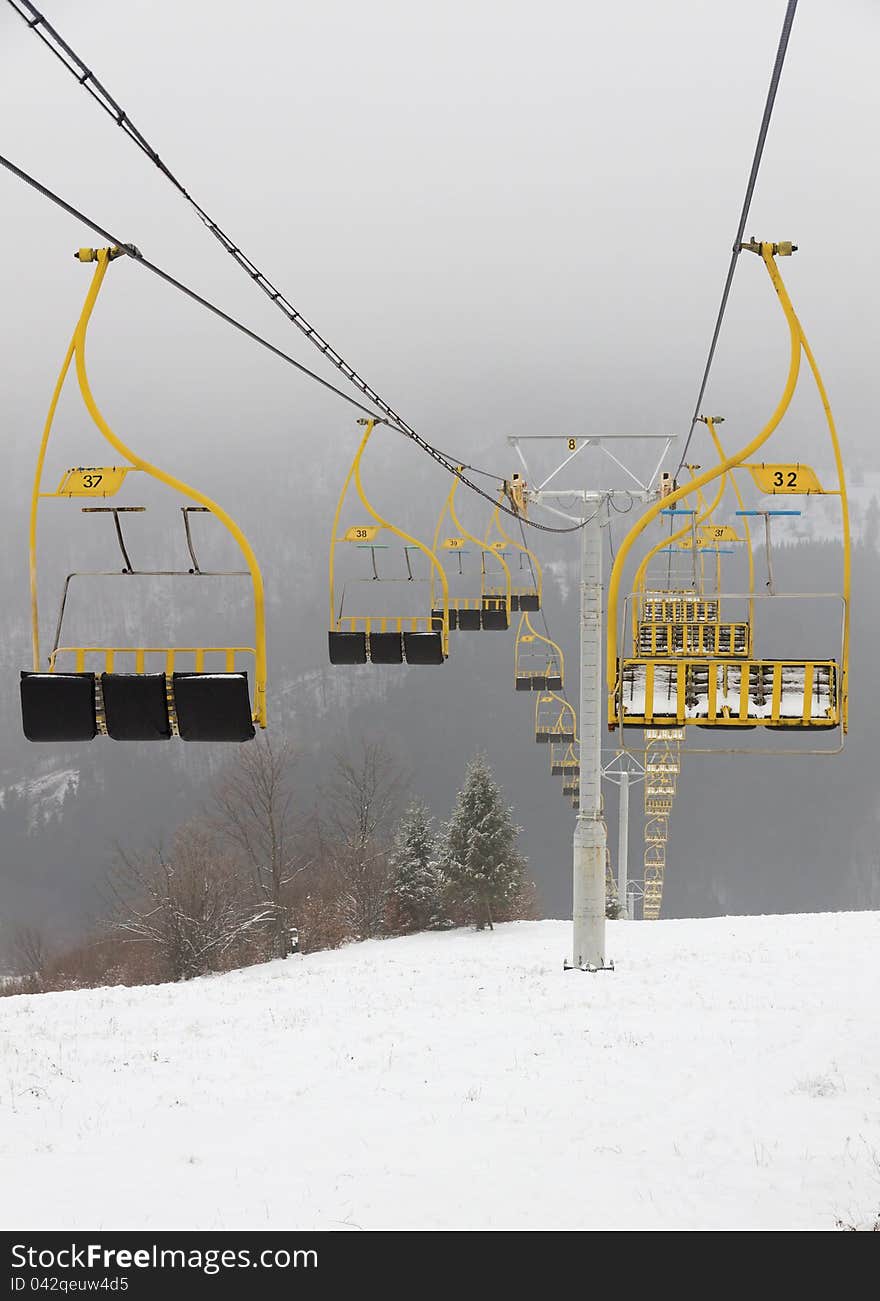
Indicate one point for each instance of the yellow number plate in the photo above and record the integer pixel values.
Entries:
(453, 544)
(772, 479)
(93, 481)
(718, 533)
(362, 533)
(710, 534)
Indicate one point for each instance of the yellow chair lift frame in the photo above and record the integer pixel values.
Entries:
(567, 764)
(555, 719)
(491, 610)
(788, 695)
(200, 694)
(530, 596)
(657, 829)
(684, 623)
(382, 638)
(538, 662)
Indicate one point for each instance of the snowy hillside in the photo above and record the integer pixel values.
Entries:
(725, 1076)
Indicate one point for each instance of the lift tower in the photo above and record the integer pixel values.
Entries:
(594, 503)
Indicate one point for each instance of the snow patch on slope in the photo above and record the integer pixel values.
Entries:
(725, 1076)
(44, 794)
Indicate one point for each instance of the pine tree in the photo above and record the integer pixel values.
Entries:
(484, 869)
(417, 882)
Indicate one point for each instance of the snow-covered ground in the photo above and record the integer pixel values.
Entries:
(725, 1076)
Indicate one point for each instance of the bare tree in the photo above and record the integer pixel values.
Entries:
(190, 906)
(363, 798)
(254, 813)
(29, 955)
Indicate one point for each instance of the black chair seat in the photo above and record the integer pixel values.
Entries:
(348, 647)
(722, 727)
(495, 619)
(820, 724)
(469, 620)
(515, 602)
(213, 706)
(529, 601)
(554, 683)
(386, 648)
(136, 706)
(423, 647)
(437, 619)
(58, 706)
(543, 738)
(524, 684)
(540, 682)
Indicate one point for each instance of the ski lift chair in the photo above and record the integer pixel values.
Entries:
(385, 638)
(135, 693)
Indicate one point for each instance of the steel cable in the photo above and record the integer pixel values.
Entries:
(55, 42)
(138, 257)
(744, 215)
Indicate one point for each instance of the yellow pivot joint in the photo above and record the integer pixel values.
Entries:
(761, 247)
(94, 254)
(515, 492)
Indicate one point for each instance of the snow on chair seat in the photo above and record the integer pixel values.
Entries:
(386, 640)
(474, 614)
(213, 706)
(423, 647)
(135, 706)
(785, 694)
(671, 608)
(702, 638)
(58, 706)
(126, 701)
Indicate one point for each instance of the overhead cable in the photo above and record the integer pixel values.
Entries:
(744, 214)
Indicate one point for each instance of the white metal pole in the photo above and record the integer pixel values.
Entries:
(623, 843)
(588, 903)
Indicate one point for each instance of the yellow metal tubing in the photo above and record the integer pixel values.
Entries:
(534, 563)
(713, 432)
(482, 547)
(544, 698)
(35, 501)
(796, 340)
(847, 533)
(704, 513)
(77, 350)
(526, 633)
(435, 566)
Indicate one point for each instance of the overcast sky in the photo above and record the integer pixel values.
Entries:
(512, 219)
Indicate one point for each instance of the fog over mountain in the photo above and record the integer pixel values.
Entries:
(511, 221)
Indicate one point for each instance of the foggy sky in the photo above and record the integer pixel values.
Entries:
(510, 219)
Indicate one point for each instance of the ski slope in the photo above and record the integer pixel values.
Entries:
(725, 1076)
